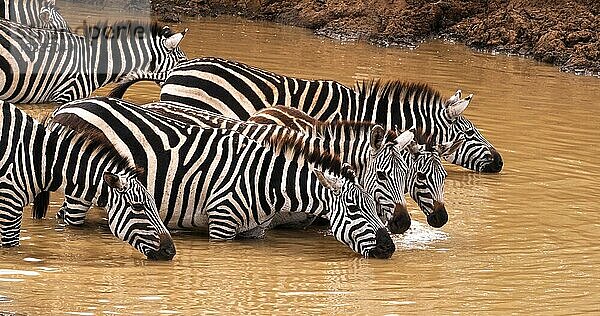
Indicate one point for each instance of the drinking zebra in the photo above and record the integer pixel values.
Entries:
(370, 151)
(221, 180)
(88, 170)
(38, 65)
(425, 175)
(34, 13)
(238, 90)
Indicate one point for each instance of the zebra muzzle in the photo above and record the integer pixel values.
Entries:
(400, 221)
(166, 250)
(439, 217)
(384, 245)
(496, 164)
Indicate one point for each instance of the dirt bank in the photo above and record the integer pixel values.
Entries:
(564, 33)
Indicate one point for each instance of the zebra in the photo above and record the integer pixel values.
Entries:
(425, 176)
(220, 180)
(38, 65)
(34, 13)
(370, 151)
(238, 90)
(35, 161)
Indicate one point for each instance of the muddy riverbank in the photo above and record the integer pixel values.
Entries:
(563, 33)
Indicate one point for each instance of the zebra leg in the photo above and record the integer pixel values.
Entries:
(73, 211)
(11, 212)
(10, 226)
(222, 225)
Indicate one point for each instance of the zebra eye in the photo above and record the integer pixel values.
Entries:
(421, 176)
(381, 175)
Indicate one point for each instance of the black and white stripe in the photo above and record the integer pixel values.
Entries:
(238, 90)
(424, 179)
(38, 65)
(221, 180)
(34, 13)
(35, 161)
(373, 154)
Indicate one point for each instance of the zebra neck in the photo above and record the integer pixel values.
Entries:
(112, 59)
(72, 166)
(294, 187)
(351, 144)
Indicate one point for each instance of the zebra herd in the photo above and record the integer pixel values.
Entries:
(228, 148)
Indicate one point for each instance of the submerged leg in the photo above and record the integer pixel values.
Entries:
(73, 211)
(11, 216)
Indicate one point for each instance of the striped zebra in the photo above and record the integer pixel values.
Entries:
(237, 90)
(424, 178)
(370, 151)
(221, 180)
(35, 161)
(34, 13)
(38, 65)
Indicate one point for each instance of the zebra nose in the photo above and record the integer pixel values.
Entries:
(439, 217)
(166, 250)
(400, 221)
(496, 164)
(384, 245)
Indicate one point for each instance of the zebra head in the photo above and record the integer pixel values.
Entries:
(386, 177)
(426, 177)
(353, 216)
(51, 18)
(133, 217)
(170, 54)
(476, 153)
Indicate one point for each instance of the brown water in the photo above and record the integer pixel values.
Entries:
(524, 241)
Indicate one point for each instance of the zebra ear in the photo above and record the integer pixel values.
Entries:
(114, 181)
(457, 108)
(447, 149)
(50, 2)
(328, 181)
(454, 98)
(377, 136)
(404, 139)
(173, 41)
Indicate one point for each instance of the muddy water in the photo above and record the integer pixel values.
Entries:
(523, 241)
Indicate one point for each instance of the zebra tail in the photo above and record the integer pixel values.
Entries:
(40, 204)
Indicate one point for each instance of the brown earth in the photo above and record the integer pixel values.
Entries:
(561, 32)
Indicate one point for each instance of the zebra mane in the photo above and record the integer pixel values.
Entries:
(129, 27)
(88, 135)
(295, 144)
(395, 89)
(422, 138)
